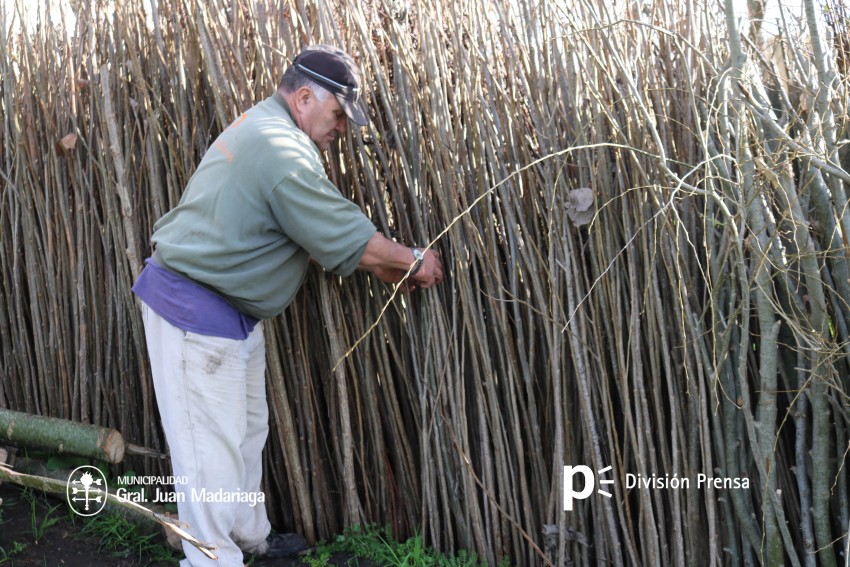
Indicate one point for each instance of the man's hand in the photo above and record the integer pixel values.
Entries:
(392, 276)
(390, 262)
(431, 272)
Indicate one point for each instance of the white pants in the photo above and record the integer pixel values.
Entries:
(212, 401)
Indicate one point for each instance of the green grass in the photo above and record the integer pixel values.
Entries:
(122, 538)
(377, 544)
(40, 521)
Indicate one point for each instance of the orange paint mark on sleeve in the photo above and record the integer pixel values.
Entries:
(222, 147)
(239, 120)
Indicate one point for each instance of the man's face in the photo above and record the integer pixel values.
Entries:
(323, 121)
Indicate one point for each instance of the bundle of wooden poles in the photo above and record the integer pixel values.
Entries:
(643, 211)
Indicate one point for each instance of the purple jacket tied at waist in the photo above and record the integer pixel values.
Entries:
(190, 306)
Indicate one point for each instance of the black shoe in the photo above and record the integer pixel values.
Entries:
(285, 545)
(280, 546)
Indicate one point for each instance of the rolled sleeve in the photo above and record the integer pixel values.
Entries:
(313, 213)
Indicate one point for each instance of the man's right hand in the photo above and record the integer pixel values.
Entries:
(390, 262)
(431, 272)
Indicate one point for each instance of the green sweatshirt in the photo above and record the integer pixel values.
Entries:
(258, 207)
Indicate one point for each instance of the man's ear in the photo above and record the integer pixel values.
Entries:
(303, 97)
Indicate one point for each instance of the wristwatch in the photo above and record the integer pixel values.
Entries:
(419, 257)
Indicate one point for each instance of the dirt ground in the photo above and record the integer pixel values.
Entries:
(39, 530)
(61, 542)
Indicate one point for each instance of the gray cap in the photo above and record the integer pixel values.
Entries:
(335, 70)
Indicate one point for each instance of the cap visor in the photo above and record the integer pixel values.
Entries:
(353, 111)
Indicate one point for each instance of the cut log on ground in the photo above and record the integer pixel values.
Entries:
(61, 436)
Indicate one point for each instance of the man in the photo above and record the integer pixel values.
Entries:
(233, 252)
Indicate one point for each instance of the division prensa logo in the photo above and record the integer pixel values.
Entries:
(580, 481)
(86, 490)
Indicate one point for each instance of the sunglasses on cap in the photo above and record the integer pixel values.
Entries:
(347, 91)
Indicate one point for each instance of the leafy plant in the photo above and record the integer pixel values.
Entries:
(375, 543)
(318, 558)
(7, 555)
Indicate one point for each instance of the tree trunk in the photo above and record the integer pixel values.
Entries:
(61, 436)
